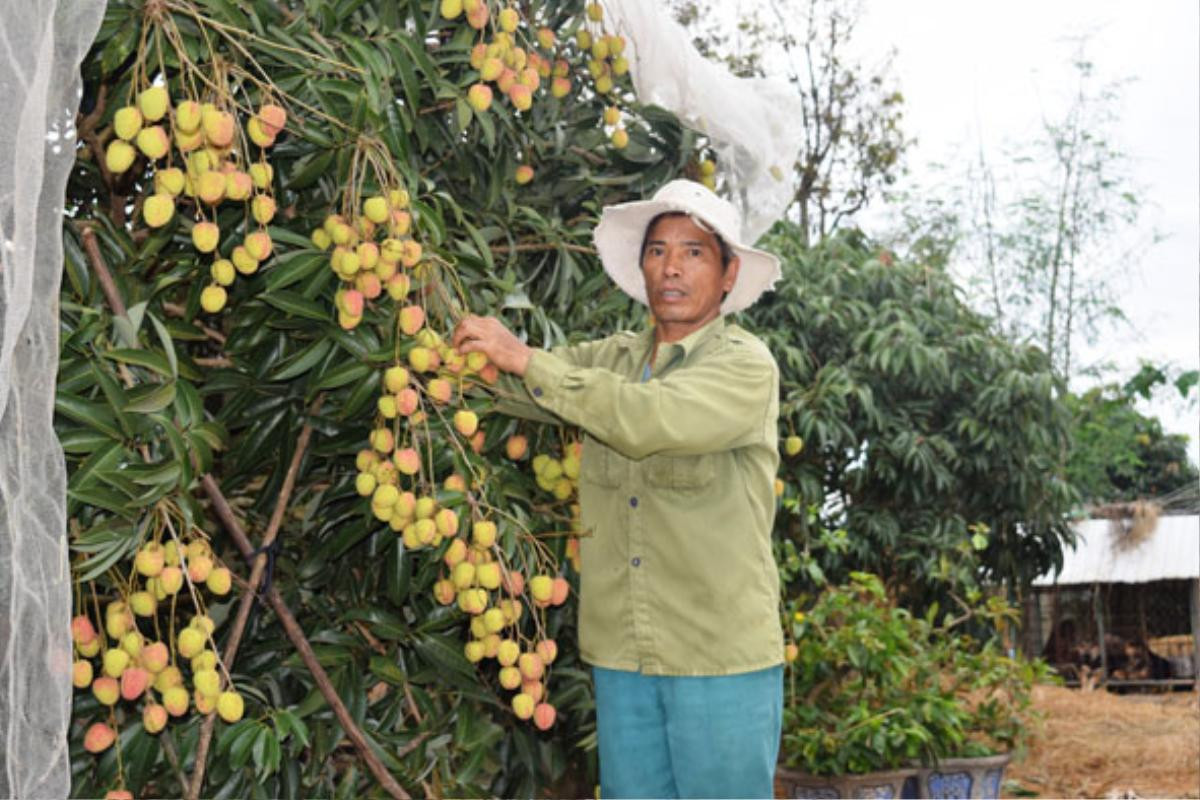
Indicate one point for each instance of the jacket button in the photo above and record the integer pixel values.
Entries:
(537, 391)
(633, 502)
(637, 562)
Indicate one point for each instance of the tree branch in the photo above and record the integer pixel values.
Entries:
(529, 247)
(92, 247)
(296, 634)
(248, 598)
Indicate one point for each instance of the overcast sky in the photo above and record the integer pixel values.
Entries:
(991, 71)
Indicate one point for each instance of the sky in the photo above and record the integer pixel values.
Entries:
(989, 72)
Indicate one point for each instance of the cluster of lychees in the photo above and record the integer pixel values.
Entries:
(124, 664)
(216, 168)
(368, 267)
(478, 577)
(606, 64)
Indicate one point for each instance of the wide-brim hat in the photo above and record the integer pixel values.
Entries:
(622, 229)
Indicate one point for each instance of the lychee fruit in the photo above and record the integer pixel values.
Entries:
(98, 738)
(412, 318)
(106, 690)
(153, 142)
(488, 575)
(134, 682)
(261, 174)
(262, 208)
(480, 97)
(218, 126)
(188, 116)
(206, 236)
(223, 272)
(541, 588)
(153, 103)
(219, 581)
(169, 181)
(258, 245)
(243, 261)
(210, 186)
(238, 185)
(158, 209)
(191, 641)
(466, 422)
(510, 677)
(408, 461)
(154, 718)
(230, 706)
(127, 122)
(543, 716)
(522, 705)
(440, 390)
(81, 674)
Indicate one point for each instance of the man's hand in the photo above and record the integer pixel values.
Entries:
(488, 335)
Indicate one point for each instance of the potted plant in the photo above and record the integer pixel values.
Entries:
(864, 697)
(996, 690)
(876, 697)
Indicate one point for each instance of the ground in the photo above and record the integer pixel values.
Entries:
(1097, 744)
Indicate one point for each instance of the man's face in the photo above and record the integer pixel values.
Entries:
(684, 277)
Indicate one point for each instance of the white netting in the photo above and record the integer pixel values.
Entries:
(43, 44)
(754, 124)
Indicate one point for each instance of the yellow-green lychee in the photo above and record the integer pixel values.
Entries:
(206, 236)
(230, 706)
(119, 156)
(127, 122)
(223, 272)
(158, 209)
(153, 142)
(213, 298)
(153, 103)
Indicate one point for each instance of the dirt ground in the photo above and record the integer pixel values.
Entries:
(1099, 744)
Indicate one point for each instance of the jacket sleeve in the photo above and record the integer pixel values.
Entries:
(717, 405)
(514, 399)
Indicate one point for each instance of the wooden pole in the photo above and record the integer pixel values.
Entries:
(1098, 609)
(1196, 634)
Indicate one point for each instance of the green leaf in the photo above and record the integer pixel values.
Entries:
(302, 362)
(345, 373)
(94, 415)
(296, 304)
(148, 399)
(145, 358)
(294, 267)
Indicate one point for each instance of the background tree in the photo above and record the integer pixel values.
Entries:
(1043, 240)
(1119, 454)
(924, 428)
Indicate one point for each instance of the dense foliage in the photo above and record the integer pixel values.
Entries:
(153, 402)
(1119, 454)
(922, 426)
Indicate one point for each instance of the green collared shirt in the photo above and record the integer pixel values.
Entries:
(677, 488)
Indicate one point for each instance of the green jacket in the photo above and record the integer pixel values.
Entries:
(676, 487)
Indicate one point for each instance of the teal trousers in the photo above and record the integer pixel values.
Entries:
(708, 736)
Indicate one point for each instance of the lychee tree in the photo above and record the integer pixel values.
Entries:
(308, 559)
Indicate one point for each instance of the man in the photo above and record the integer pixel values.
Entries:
(679, 599)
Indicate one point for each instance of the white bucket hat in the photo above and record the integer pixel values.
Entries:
(622, 229)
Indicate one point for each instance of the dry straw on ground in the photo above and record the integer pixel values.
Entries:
(1097, 744)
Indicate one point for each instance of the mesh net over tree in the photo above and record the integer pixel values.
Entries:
(39, 82)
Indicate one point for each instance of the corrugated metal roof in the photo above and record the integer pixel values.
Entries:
(1172, 552)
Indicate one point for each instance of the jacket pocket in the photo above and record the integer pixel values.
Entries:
(680, 472)
(600, 465)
